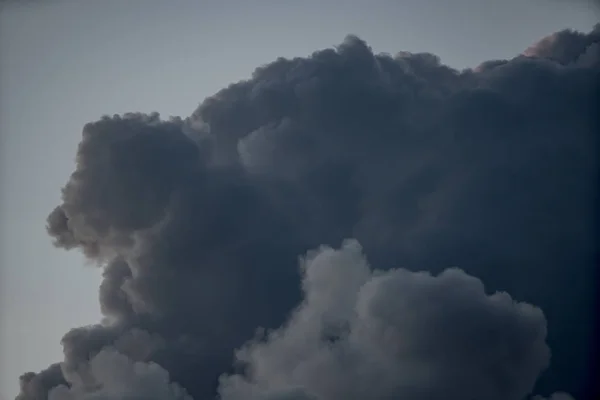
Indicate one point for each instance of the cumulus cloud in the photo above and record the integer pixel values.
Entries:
(117, 377)
(198, 223)
(567, 47)
(363, 334)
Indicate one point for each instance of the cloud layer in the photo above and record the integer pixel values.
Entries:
(198, 224)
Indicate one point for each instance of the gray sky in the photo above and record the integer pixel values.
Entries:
(67, 63)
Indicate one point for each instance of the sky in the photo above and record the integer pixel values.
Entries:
(65, 63)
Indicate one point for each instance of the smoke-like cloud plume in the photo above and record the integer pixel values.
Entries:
(198, 224)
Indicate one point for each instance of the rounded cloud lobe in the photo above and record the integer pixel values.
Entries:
(398, 334)
(198, 224)
(117, 377)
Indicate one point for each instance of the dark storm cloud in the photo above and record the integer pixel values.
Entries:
(34, 386)
(127, 167)
(198, 223)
